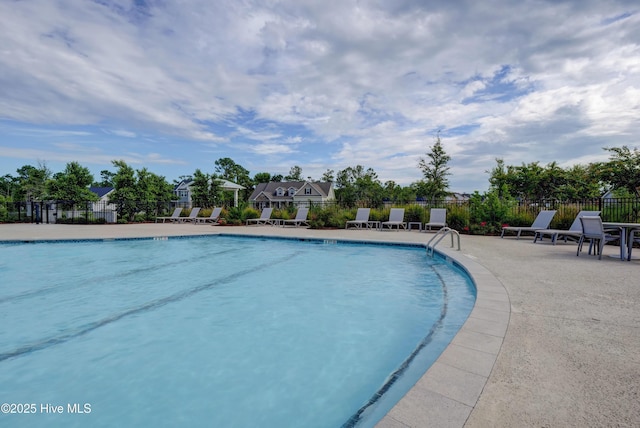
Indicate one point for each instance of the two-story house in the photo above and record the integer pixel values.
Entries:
(279, 194)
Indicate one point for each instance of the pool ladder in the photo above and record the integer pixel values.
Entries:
(439, 236)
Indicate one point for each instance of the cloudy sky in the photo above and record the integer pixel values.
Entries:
(174, 85)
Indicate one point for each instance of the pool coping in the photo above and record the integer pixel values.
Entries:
(447, 393)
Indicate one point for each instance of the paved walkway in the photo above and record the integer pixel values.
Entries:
(554, 339)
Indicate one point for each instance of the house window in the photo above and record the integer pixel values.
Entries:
(292, 191)
(280, 191)
(307, 191)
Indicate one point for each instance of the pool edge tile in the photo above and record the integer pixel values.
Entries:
(463, 386)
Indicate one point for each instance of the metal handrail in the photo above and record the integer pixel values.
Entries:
(441, 234)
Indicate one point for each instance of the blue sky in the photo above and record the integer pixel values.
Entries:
(174, 86)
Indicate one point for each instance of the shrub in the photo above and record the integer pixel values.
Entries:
(139, 217)
(318, 219)
(488, 212)
(250, 213)
(489, 207)
(233, 215)
(415, 213)
(282, 213)
(82, 220)
(457, 217)
(379, 214)
(382, 214)
(329, 217)
(563, 219)
(519, 219)
(205, 212)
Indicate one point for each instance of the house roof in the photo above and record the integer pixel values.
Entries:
(269, 189)
(101, 191)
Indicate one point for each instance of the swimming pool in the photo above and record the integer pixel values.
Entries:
(220, 331)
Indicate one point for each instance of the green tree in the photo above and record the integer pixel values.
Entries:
(262, 177)
(32, 181)
(622, 171)
(106, 179)
(328, 176)
(200, 189)
(152, 192)
(499, 179)
(295, 174)
(524, 181)
(217, 195)
(581, 182)
(72, 185)
(138, 191)
(206, 190)
(124, 196)
(532, 181)
(398, 194)
(435, 184)
(552, 181)
(391, 190)
(357, 186)
(8, 187)
(227, 169)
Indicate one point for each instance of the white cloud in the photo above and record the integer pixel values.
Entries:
(350, 83)
(271, 149)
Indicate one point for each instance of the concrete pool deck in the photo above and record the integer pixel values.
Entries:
(553, 340)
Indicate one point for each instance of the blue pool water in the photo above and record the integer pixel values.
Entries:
(219, 331)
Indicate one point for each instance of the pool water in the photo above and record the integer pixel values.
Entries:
(219, 331)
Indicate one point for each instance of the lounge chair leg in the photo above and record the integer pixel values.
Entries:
(600, 249)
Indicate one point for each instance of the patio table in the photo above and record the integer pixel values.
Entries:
(373, 224)
(625, 232)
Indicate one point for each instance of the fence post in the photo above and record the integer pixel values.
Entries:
(600, 207)
(38, 212)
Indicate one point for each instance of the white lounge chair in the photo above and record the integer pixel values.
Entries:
(362, 219)
(396, 218)
(192, 216)
(574, 232)
(542, 221)
(301, 218)
(437, 218)
(174, 217)
(594, 231)
(265, 217)
(213, 218)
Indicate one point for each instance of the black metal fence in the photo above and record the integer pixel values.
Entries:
(611, 209)
(466, 211)
(81, 212)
